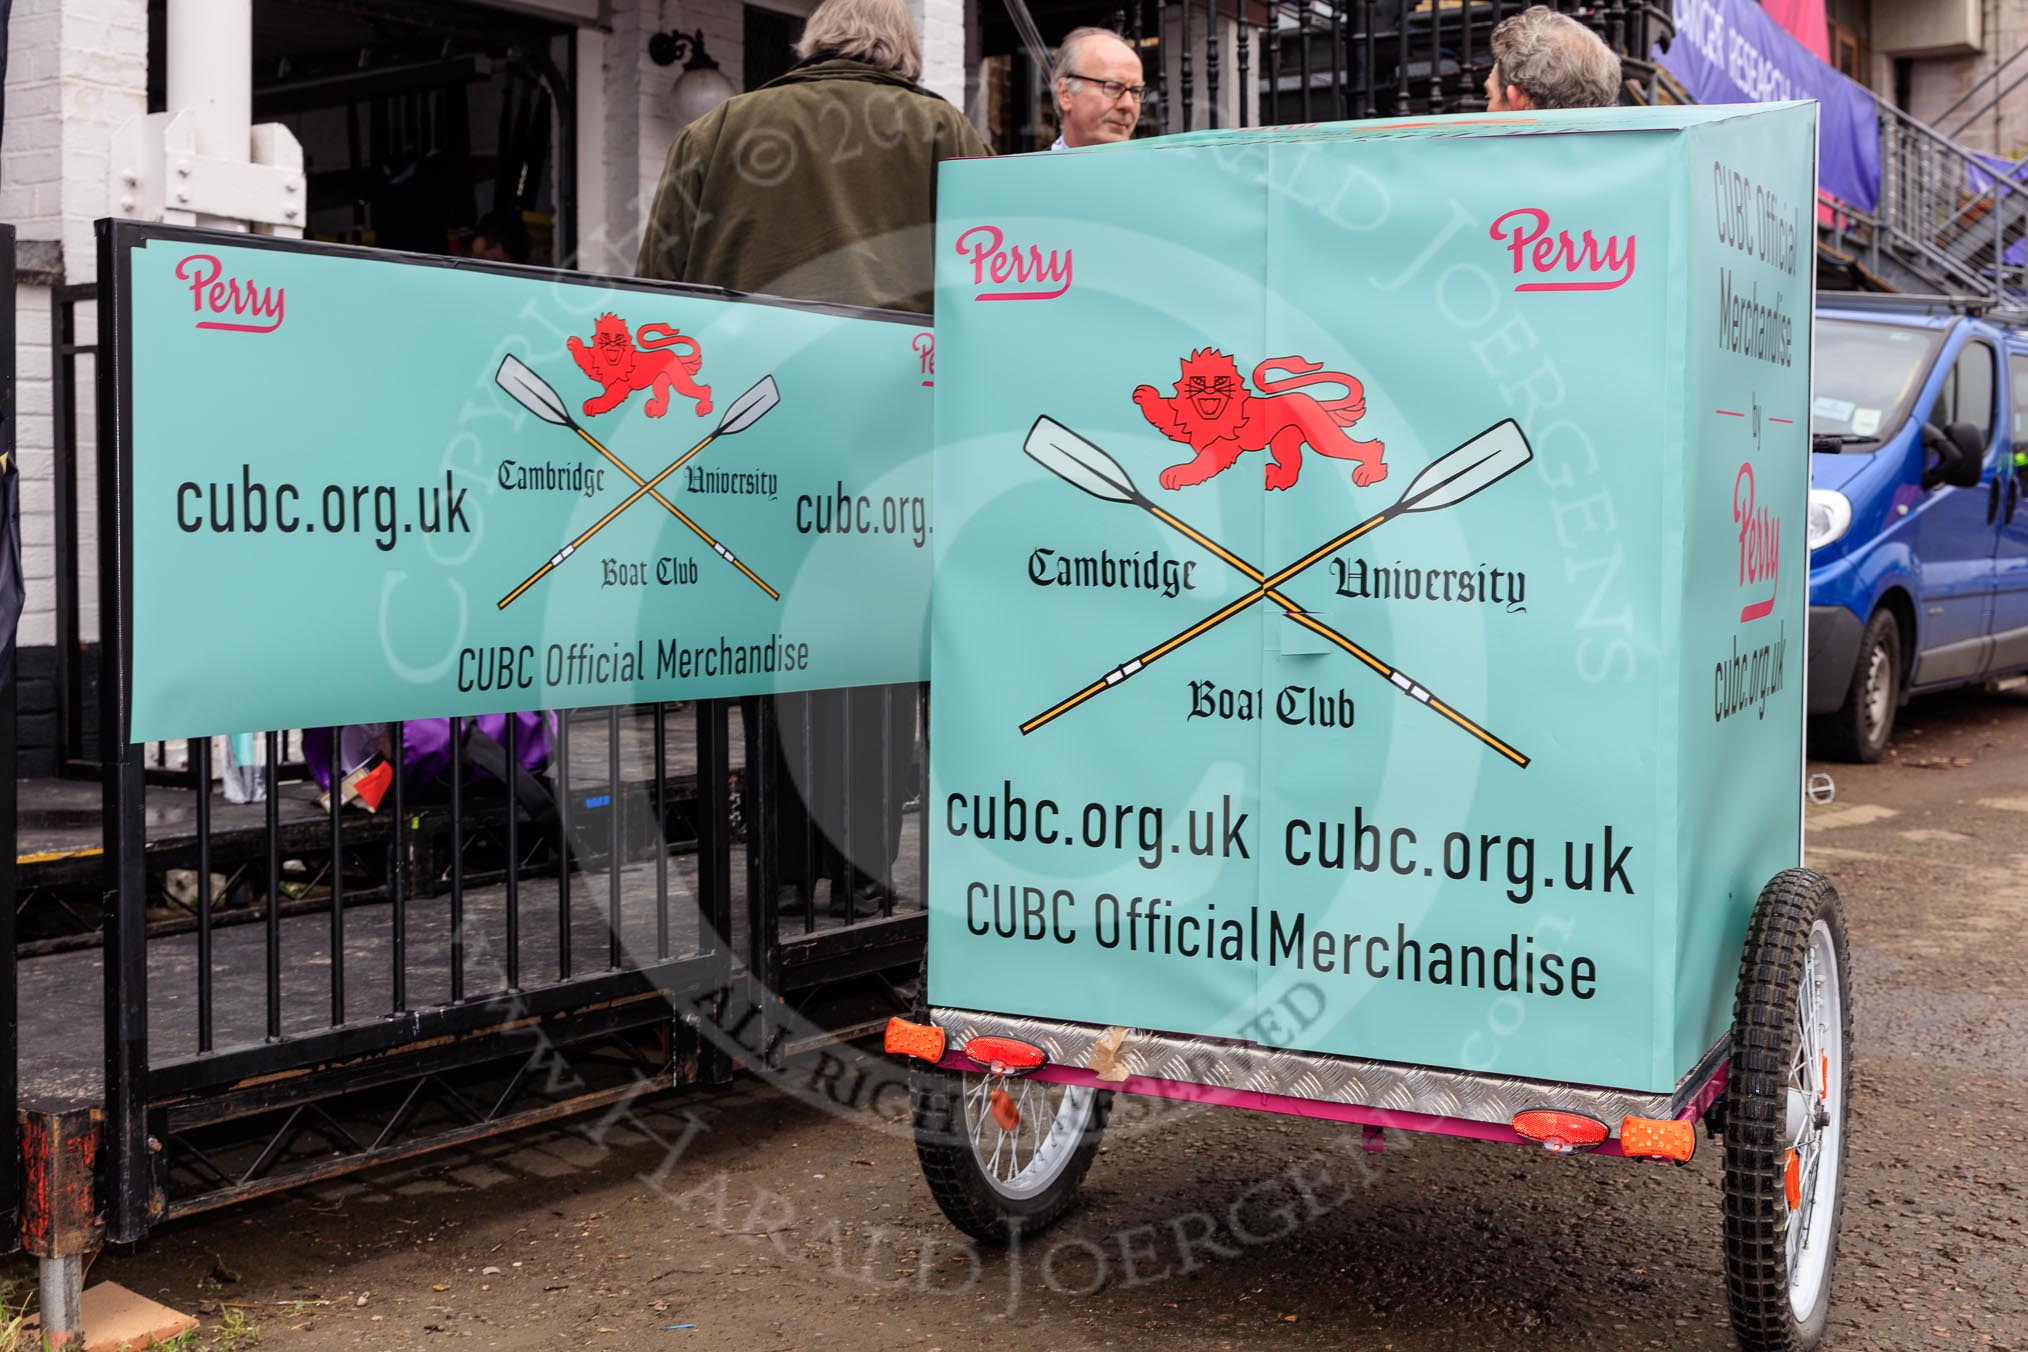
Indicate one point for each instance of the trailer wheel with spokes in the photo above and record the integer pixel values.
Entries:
(1785, 1115)
(992, 1183)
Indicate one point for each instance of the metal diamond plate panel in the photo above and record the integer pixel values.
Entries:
(1326, 1079)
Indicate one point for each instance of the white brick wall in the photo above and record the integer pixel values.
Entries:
(632, 102)
(33, 437)
(942, 25)
(76, 70)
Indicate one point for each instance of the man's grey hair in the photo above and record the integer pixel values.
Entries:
(1067, 50)
(1555, 60)
(880, 33)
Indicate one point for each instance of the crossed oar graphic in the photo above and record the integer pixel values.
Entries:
(1479, 463)
(534, 393)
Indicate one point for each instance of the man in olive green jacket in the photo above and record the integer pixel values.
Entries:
(821, 185)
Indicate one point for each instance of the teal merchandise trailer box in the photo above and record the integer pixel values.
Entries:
(1370, 583)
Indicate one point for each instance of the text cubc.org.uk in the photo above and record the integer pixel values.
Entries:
(1153, 924)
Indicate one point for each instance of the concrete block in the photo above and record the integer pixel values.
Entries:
(32, 166)
(38, 622)
(1935, 28)
(42, 131)
(34, 431)
(30, 299)
(34, 29)
(31, 396)
(30, 97)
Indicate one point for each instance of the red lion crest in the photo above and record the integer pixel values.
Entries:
(1215, 415)
(660, 363)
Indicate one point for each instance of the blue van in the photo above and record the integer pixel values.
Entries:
(1918, 531)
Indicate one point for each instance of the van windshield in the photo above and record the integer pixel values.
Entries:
(1867, 375)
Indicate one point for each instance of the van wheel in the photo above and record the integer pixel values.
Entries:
(1861, 727)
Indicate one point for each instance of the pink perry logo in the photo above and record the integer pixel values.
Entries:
(210, 296)
(1558, 262)
(1760, 541)
(925, 346)
(1032, 273)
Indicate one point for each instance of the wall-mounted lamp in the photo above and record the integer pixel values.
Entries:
(702, 86)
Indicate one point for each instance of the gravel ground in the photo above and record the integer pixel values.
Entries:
(757, 1219)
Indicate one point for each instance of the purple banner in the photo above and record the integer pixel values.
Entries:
(1984, 169)
(1730, 51)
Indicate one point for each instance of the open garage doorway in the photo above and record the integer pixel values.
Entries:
(425, 126)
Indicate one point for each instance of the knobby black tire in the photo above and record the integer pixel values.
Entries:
(952, 1168)
(1764, 1035)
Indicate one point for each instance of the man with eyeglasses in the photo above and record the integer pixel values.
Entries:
(1098, 88)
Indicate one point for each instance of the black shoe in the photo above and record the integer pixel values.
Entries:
(856, 906)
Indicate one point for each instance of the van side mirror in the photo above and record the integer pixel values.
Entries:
(1970, 451)
(1954, 465)
(1970, 460)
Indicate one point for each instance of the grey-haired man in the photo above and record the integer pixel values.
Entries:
(1542, 59)
(1098, 88)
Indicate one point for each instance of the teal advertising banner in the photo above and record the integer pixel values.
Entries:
(369, 487)
(1371, 583)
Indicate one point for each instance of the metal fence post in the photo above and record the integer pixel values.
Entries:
(129, 1172)
(10, 1028)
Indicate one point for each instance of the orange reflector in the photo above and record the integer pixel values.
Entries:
(1004, 1111)
(1824, 1079)
(1645, 1138)
(1004, 1053)
(1560, 1133)
(1792, 1180)
(923, 1041)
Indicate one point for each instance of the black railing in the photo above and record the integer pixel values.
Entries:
(76, 664)
(1945, 219)
(454, 914)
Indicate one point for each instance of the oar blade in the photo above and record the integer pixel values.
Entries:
(749, 408)
(531, 391)
(1481, 462)
(1076, 461)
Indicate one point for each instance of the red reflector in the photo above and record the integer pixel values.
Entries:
(1004, 1053)
(1559, 1133)
(924, 1041)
